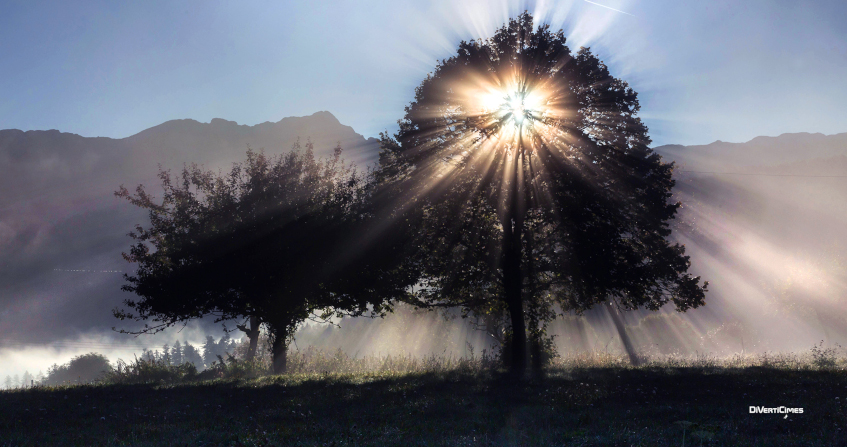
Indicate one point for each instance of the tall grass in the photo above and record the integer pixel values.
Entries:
(817, 358)
(315, 361)
(149, 371)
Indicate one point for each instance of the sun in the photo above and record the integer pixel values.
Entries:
(513, 107)
(509, 109)
(516, 109)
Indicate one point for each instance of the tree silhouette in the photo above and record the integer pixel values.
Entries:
(533, 186)
(176, 353)
(82, 368)
(210, 350)
(27, 379)
(190, 354)
(272, 240)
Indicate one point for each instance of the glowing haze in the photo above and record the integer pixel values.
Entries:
(704, 71)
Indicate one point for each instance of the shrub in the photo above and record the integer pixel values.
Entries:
(150, 370)
(86, 368)
(823, 358)
(234, 368)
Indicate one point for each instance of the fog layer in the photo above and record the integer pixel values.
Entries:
(763, 221)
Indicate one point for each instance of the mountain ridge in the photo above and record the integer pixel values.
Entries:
(39, 159)
(58, 213)
(319, 114)
(761, 150)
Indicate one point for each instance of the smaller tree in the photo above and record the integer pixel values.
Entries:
(190, 354)
(226, 345)
(8, 382)
(210, 350)
(176, 353)
(166, 354)
(16, 381)
(82, 368)
(276, 241)
(27, 379)
(149, 355)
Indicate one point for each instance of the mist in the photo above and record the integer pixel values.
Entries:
(762, 221)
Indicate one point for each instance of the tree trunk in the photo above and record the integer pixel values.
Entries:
(253, 335)
(280, 351)
(627, 343)
(513, 225)
(535, 354)
(513, 285)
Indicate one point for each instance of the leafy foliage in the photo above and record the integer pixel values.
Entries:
(147, 370)
(182, 353)
(84, 368)
(273, 239)
(212, 350)
(525, 212)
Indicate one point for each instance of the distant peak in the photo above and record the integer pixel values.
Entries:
(222, 122)
(790, 136)
(325, 115)
(322, 117)
(177, 122)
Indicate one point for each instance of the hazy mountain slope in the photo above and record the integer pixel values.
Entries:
(753, 236)
(766, 223)
(58, 212)
(37, 161)
(219, 141)
(760, 151)
(794, 181)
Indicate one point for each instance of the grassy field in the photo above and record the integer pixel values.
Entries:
(579, 402)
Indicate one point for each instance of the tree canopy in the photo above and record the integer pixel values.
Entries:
(529, 175)
(273, 240)
(82, 368)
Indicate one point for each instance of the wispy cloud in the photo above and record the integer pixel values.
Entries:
(607, 7)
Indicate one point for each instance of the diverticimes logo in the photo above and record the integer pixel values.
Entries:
(775, 410)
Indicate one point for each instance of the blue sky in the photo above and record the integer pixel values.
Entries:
(705, 70)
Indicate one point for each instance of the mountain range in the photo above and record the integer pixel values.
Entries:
(62, 231)
(786, 149)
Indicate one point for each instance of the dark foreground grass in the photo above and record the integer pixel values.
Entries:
(611, 405)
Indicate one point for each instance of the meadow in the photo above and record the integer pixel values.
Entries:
(329, 399)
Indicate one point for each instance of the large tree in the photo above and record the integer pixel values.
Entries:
(273, 240)
(530, 177)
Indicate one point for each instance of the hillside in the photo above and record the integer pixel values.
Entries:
(760, 151)
(766, 223)
(58, 212)
(757, 217)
